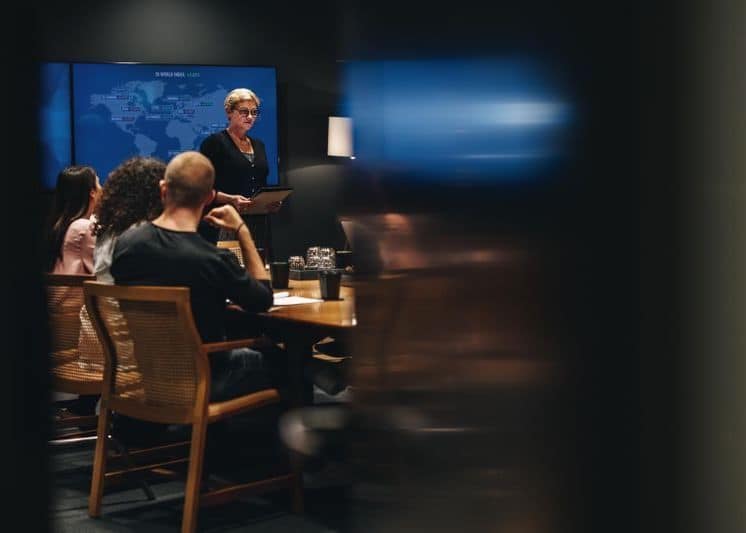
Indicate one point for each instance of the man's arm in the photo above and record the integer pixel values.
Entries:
(251, 258)
(227, 217)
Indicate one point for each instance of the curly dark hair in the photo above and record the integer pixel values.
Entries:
(131, 194)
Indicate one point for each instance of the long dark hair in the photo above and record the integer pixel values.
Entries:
(131, 193)
(72, 198)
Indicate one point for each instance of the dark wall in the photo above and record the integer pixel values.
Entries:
(25, 339)
(299, 40)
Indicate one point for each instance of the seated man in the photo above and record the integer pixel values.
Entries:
(169, 251)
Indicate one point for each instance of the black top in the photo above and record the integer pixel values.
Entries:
(234, 172)
(149, 255)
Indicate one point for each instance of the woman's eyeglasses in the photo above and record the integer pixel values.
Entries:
(245, 112)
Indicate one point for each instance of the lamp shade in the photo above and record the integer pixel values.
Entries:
(340, 137)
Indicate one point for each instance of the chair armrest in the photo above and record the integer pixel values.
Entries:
(228, 345)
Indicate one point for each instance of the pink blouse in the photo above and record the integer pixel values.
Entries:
(77, 249)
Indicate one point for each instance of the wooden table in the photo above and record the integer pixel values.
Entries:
(299, 327)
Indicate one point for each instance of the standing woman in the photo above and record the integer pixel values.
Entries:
(240, 162)
(70, 239)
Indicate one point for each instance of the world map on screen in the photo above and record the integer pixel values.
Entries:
(121, 110)
(153, 119)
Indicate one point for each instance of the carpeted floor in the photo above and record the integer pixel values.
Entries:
(236, 455)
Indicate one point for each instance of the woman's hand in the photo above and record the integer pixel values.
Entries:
(241, 203)
(225, 217)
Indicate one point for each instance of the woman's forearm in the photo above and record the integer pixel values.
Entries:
(222, 198)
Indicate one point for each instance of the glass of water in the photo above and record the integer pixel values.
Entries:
(312, 257)
(326, 258)
(296, 262)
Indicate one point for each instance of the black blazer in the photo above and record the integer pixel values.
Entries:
(234, 174)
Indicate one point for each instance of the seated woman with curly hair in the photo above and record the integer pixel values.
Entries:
(131, 195)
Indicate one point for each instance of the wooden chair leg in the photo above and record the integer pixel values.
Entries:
(194, 476)
(99, 463)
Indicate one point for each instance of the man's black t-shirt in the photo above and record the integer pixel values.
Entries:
(150, 255)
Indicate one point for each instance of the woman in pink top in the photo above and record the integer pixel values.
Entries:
(71, 241)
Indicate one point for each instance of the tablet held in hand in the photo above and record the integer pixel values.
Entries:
(266, 198)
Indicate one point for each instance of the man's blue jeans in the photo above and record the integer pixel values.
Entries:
(242, 371)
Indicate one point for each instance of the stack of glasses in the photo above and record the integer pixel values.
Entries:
(317, 258)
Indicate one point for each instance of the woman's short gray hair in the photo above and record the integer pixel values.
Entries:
(239, 95)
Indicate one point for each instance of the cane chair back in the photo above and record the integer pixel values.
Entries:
(75, 355)
(76, 359)
(234, 247)
(153, 353)
(156, 368)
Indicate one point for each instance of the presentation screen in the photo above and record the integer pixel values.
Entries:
(54, 121)
(123, 109)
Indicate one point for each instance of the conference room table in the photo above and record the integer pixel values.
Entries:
(300, 326)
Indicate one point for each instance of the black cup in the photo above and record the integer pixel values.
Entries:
(329, 281)
(280, 272)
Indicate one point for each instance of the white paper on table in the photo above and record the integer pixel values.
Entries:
(295, 300)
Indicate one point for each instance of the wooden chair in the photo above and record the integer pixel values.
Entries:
(234, 247)
(156, 368)
(76, 359)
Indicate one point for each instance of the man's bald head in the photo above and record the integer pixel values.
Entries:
(189, 179)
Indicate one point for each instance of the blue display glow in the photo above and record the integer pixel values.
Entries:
(450, 119)
(54, 121)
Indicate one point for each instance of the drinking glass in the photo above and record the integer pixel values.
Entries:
(326, 258)
(312, 257)
(296, 262)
